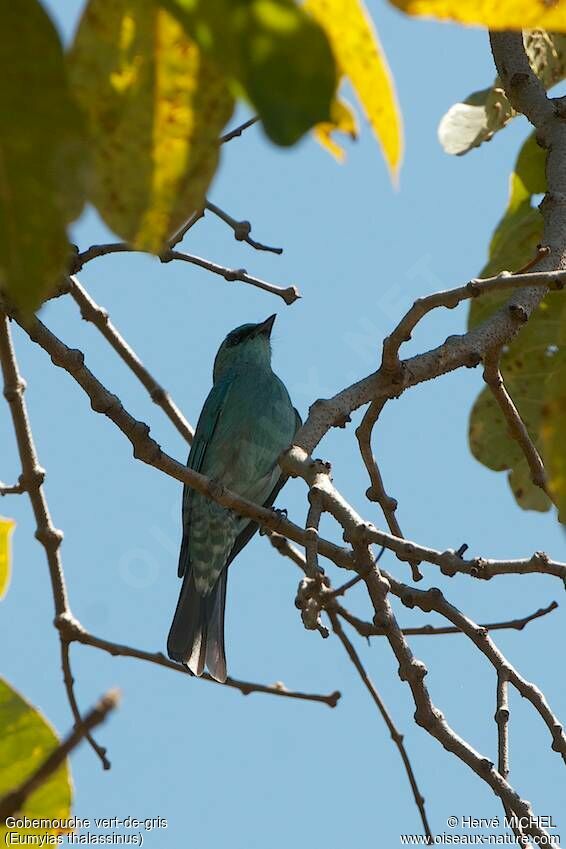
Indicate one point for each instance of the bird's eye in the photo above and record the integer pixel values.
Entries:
(235, 338)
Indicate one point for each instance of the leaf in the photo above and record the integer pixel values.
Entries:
(156, 107)
(467, 125)
(553, 428)
(6, 528)
(361, 59)
(533, 363)
(43, 156)
(519, 232)
(506, 14)
(274, 54)
(342, 120)
(27, 739)
(528, 367)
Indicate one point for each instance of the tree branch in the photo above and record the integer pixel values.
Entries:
(427, 715)
(451, 298)
(456, 352)
(433, 599)
(32, 479)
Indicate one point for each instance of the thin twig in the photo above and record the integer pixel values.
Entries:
(369, 629)
(517, 429)
(289, 294)
(347, 585)
(502, 721)
(72, 631)
(237, 131)
(15, 489)
(70, 689)
(285, 549)
(98, 316)
(15, 799)
(396, 736)
(180, 234)
(376, 491)
(242, 229)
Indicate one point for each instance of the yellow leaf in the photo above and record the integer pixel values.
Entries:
(26, 741)
(6, 528)
(157, 107)
(361, 59)
(343, 120)
(505, 14)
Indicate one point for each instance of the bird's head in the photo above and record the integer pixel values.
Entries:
(247, 345)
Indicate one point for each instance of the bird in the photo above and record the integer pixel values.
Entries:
(246, 422)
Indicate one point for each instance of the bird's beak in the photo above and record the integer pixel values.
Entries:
(267, 326)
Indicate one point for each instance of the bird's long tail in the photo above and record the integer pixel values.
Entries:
(196, 637)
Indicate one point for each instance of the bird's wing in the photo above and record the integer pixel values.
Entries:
(247, 533)
(204, 432)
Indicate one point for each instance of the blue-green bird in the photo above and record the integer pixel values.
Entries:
(246, 422)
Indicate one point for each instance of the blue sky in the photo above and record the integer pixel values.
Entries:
(225, 770)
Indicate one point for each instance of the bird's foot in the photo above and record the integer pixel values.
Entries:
(280, 513)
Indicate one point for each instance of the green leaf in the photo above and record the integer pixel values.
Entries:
(43, 155)
(519, 232)
(274, 54)
(6, 528)
(534, 365)
(156, 107)
(467, 125)
(529, 367)
(27, 739)
(553, 428)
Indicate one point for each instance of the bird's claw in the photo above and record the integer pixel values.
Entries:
(281, 512)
